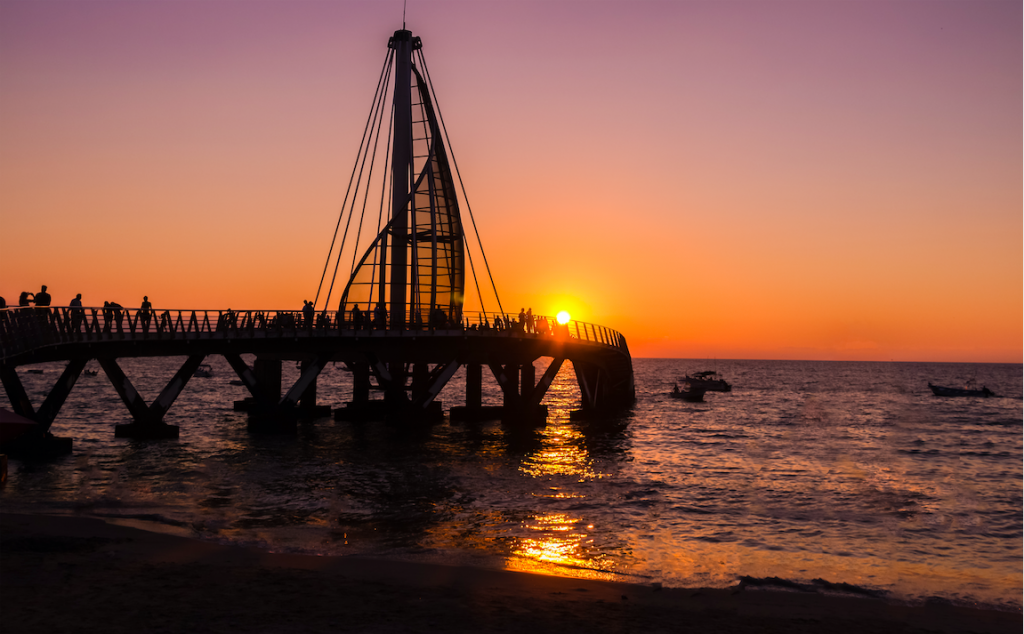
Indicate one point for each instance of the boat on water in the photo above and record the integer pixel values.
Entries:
(709, 381)
(689, 393)
(970, 388)
(203, 371)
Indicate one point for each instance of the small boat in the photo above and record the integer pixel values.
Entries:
(970, 388)
(90, 372)
(709, 381)
(203, 371)
(690, 394)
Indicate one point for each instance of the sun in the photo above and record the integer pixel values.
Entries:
(562, 318)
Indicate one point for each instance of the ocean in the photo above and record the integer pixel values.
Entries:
(845, 477)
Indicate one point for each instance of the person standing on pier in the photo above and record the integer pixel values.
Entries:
(380, 316)
(307, 313)
(146, 313)
(357, 318)
(77, 314)
(42, 297)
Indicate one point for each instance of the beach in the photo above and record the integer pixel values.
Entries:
(80, 574)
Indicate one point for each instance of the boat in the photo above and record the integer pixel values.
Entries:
(203, 371)
(689, 393)
(709, 381)
(970, 388)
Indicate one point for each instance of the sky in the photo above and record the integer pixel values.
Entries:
(757, 180)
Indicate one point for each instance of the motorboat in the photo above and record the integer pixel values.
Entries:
(203, 371)
(709, 381)
(970, 388)
(689, 393)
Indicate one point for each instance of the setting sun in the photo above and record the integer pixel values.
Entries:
(562, 317)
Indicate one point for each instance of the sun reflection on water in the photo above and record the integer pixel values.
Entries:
(562, 453)
(562, 541)
(558, 541)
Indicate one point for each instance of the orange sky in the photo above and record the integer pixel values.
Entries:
(784, 180)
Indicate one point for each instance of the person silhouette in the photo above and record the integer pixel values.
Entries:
(25, 299)
(77, 314)
(307, 313)
(42, 297)
(117, 314)
(357, 318)
(146, 312)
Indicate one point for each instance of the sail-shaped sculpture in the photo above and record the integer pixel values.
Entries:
(416, 264)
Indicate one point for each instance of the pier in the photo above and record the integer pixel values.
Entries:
(401, 326)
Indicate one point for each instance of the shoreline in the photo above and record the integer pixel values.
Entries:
(70, 573)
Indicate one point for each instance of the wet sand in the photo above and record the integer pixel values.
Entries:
(76, 574)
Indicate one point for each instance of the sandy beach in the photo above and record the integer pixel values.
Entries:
(77, 574)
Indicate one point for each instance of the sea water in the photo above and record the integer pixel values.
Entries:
(839, 476)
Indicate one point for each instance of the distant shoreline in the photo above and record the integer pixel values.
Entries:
(79, 574)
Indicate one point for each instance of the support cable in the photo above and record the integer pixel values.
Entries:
(373, 108)
(380, 214)
(465, 197)
(377, 120)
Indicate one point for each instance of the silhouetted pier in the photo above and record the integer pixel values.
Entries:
(401, 327)
(426, 358)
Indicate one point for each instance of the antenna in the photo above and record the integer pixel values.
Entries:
(404, 3)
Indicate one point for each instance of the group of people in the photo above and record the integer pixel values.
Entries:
(377, 319)
(113, 313)
(42, 298)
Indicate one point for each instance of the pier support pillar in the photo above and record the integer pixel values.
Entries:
(307, 402)
(148, 419)
(394, 385)
(420, 380)
(268, 376)
(527, 377)
(360, 382)
(474, 385)
(511, 391)
(38, 442)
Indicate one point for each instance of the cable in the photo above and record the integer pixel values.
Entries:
(373, 108)
(430, 83)
(376, 125)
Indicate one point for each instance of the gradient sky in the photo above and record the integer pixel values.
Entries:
(781, 180)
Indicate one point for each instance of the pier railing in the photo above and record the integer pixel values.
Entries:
(27, 328)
